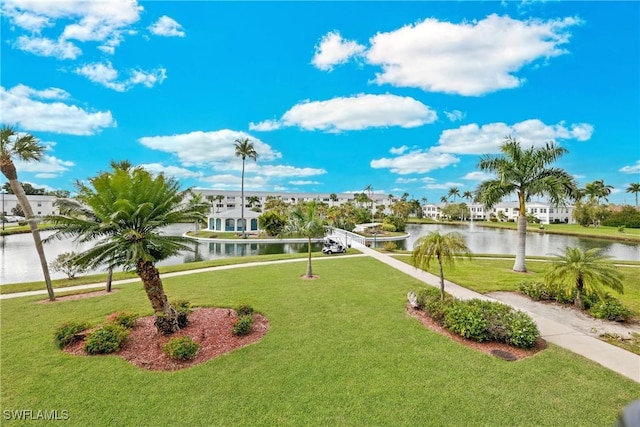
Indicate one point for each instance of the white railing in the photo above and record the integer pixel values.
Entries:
(348, 236)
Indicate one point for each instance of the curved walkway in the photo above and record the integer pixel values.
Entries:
(614, 358)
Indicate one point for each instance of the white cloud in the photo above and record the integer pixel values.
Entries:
(174, 171)
(355, 113)
(49, 165)
(233, 182)
(477, 176)
(333, 50)
(454, 115)
(42, 46)
(631, 169)
(20, 105)
(417, 161)
(215, 148)
(91, 20)
(406, 180)
(106, 75)
(442, 185)
(300, 182)
(486, 139)
(469, 58)
(285, 171)
(398, 150)
(167, 27)
(265, 126)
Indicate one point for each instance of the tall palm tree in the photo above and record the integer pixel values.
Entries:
(131, 207)
(333, 197)
(455, 192)
(444, 199)
(304, 221)
(584, 270)
(369, 190)
(634, 187)
(526, 173)
(597, 190)
(444, 247)
(468, 195)
(244, 149)
(27, 148)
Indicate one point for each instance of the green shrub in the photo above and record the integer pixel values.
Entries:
(494, 315)
(242, 325)
(388, 227)
(67, 333)
(107, 339)
(389, 246)
(610, 309)
(466, 320)
(183, 308)
(126, 319)
(522, 332)
(536, 290)
(398, 222)
(244, 310)
(181, 348)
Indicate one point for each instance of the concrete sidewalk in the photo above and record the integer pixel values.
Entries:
(611, 357)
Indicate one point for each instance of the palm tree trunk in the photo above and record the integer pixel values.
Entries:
(441, 278)
(309, 271)
(577, 302)
(26, 208)
(166, 317)
(519, 264)
(109, 279)
(244, 235)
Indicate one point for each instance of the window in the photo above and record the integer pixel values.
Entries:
(39, 204)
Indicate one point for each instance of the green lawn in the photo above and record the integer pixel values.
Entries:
(341, 350)
(629, 234)
(488, 275)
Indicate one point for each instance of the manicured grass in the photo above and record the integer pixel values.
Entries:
(341, 350)
(488, 275)
(99, 278)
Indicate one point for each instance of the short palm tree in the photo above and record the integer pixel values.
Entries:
(444, 247)
(244, 149)
(584, 271)
(27, 148)
(634, 187)
(131, 207)
(526, 173)
(305, 221)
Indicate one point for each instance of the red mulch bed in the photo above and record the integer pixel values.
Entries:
(210, 327)
(486, 347)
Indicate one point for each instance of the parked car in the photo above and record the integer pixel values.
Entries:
(332, 246)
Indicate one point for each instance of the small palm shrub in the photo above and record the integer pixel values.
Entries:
(184, 309)
(107, 339)
(126, 319)
(67, 333)
(610, 308)
(242, 325)
(181, 348)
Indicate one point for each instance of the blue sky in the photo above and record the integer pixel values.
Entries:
(335, 96)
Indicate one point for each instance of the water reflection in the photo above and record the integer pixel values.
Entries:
(19, 260)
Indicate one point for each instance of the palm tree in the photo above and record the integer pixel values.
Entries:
(333, 197)
(634, 187)
(584, 270)
(444, 199)
(26, 148)
(131, 207)
(453, 191)
(219, 198)
(468, 195)
(525, 173)
(244, 149)
(444, 247)
(253, 200)
(369, 190)
(597, 190)
(304, 221)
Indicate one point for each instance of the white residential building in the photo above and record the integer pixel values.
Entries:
(41, 205)
(545, 212)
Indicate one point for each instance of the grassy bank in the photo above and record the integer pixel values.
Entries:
(488, 275)
(341, 350)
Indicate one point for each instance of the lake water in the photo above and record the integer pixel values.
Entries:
(19, 260)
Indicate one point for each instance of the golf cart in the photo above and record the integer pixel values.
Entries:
(332, 246)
